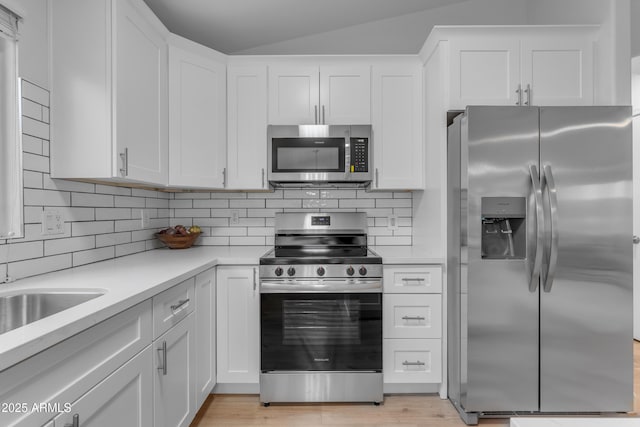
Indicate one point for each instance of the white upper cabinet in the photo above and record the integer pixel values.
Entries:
(521, 66)
(397, 127)
(345, 95)
(247, 127)
(311, 94)
(109, 88)
(197, 115)
(559, 70)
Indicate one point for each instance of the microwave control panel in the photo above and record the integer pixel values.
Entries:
(359, 155)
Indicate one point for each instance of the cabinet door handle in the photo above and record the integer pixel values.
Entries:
(224, 177)
(124, 170)
(413, 318)
(262, 177)
(528, 92)
(163, 355)
(255, 284)
(75, 421)
(323, 116)
(315, 107)
(416, 363)
(177, 306)
(377, 181)
(519, 92)
(413, 279)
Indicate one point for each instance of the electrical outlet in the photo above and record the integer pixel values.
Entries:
(52, 222)
(392, 222)
(235, 217)
(145, 218)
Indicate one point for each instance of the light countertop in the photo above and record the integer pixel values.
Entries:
(125, 281)
(132, 279)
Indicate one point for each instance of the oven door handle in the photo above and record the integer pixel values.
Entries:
(320, 286)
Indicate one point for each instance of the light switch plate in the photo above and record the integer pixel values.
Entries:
(145, 218)
(392, 222)
(52, 222)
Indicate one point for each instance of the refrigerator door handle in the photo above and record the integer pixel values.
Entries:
(534, 267)
(553, 225)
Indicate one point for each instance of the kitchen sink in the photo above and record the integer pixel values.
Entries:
(21, 309)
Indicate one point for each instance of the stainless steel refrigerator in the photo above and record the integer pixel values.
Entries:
(540, 260)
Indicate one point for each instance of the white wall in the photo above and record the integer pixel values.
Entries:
(402, 35)
(614, 48)
(34, 42)
(635, 28)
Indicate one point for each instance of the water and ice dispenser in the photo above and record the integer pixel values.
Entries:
(503, 228)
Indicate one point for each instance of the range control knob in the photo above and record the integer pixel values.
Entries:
(320, 271)
(362, 271)
(278, 271)
(291, 271)
(350, 271)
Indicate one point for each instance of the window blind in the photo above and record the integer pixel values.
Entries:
(11, 199)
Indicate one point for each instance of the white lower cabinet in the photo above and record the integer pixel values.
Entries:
(238, 324)
(412, 361)
(412, 326)
(70, 371)
(122, 399)
(205, 334)
(174, 377)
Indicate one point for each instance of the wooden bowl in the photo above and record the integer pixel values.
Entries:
(178, 241)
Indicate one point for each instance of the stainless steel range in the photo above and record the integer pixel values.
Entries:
(321, 311)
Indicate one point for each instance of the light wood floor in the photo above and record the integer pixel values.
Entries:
(397, 410)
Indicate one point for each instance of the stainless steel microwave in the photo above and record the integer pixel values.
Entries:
(317, 154)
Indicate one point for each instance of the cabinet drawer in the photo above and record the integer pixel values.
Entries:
(412, 279)
(412, 316)
(172, 305)
(64, 372)
(412, 361)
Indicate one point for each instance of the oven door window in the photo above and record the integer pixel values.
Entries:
(321, 332)
(308, 155)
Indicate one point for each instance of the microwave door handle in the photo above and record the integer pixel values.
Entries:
(315, 107)
(323, 116)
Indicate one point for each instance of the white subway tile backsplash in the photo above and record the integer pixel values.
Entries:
(31, 109)
(36, 266)
(96, 227)
(35, 93)
(246, 203)
(209, 203)
(35, 162)
(93, 255)
(35, 128)
(111, 213)
(129, 202)
(130, 248)
(32, 145)
(89, 199)
(32, 179)
(34, 197)
(356, 203)
(113, 239)
(103, 222)
(72, 244)
(284, 203)
(20, 251)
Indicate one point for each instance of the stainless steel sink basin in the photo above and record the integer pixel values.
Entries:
(21, 309)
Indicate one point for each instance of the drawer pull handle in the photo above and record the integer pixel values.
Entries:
(163, 355)
(408, 280)
(413, 318)
(416, 363)
(177, 306)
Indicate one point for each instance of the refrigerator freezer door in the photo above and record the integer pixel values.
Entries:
(586, 315)
(499, 360)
